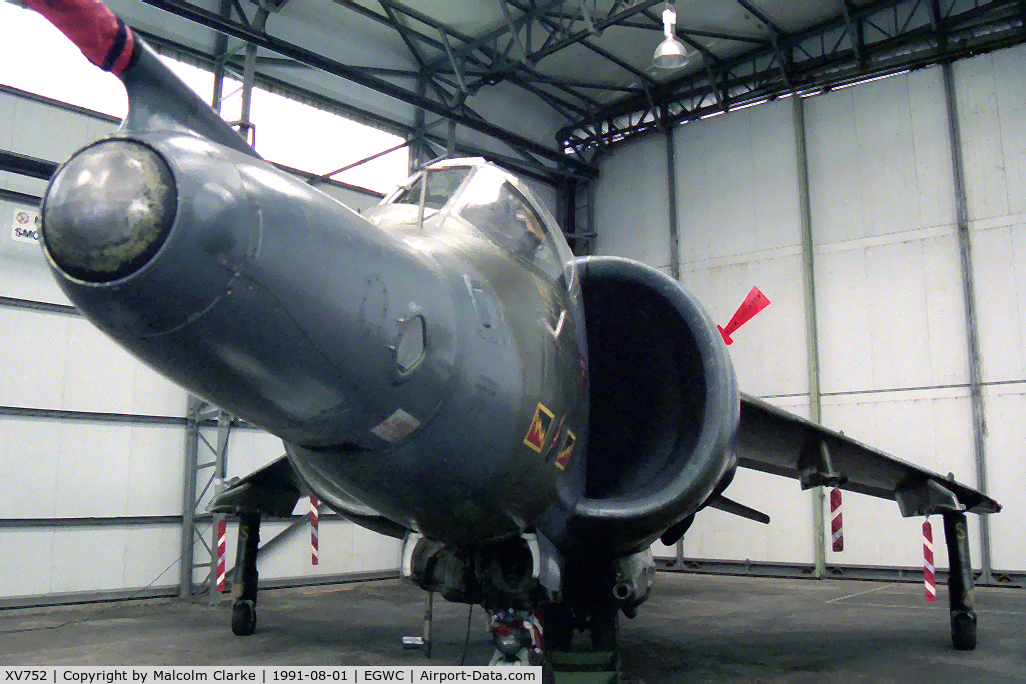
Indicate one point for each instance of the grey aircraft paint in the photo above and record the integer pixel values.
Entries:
(440, 369)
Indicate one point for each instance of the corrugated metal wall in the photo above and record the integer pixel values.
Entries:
(892, 338)
(739, 217)
(893, 346)
(992, 108)
(88, 432)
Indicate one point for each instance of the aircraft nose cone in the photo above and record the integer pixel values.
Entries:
(108, 210)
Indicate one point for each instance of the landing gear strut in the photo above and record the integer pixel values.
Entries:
(931, 497)
(245, 588)
(960, 582)
(598, 617)
(589, 606)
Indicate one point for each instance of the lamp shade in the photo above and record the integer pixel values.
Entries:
(670, 54)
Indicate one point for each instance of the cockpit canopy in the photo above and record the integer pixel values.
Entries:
(442, 184)
(491, 201)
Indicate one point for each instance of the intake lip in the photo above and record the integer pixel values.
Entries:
(108, 210)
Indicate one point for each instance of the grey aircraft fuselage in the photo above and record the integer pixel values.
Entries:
(424, 363)
(485, 425)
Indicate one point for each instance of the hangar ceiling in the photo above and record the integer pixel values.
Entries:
(587, 61)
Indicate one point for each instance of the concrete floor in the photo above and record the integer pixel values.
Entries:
(695, 628)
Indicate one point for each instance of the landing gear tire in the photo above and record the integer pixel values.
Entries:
(243, 618)
(963, 631)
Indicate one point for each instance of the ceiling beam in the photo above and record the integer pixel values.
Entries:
(567, 108)
(539, 172)
(494, 55)
(262, 39)
(512, 27)
(561, 38)
(694, 33)
(897, 36)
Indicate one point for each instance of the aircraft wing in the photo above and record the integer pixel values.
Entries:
(774, 441)
(272, 490)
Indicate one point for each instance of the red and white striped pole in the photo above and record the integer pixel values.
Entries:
(315, 516)
(835, 520)
(929, 579)
(222, 530)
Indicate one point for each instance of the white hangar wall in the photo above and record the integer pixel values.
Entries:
(631, 195)
(992, 110)
(891, 318)
(739, 226)
(892, 329)
(87, 432)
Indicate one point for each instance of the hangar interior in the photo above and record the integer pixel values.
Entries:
(862, 163)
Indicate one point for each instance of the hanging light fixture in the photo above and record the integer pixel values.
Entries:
(671, 53)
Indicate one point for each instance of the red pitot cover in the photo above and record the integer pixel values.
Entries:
(102, 37)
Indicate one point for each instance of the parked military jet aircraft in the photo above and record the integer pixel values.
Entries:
(440, 369)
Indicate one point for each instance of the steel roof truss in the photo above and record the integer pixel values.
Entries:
(890, 34)
(692, 32)
(491, 55)
(479, 61)
(268, 42)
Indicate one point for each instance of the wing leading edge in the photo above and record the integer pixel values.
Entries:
(774, 441)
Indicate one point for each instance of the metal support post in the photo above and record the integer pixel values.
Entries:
(584, 216)
(423, 642)
(424, 152)
(417, 152)
(960, 582)
(217, 477)
(590, 190)
(249, 78)
(450, 151)
(198, 486)
(575, 209)
(189, 497)
(971, 322)
(671, 178)
(245, 122)
(811, 322)
(565, 206)
(220, 56)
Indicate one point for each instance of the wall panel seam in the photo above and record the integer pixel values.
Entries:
(61, 414)
(32, 305)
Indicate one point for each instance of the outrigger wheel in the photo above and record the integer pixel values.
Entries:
(963, 630)
(243, 618)
(245, 588)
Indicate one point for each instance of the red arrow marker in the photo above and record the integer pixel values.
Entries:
(753, 304)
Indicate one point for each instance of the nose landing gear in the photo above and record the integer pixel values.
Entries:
(517, 635)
